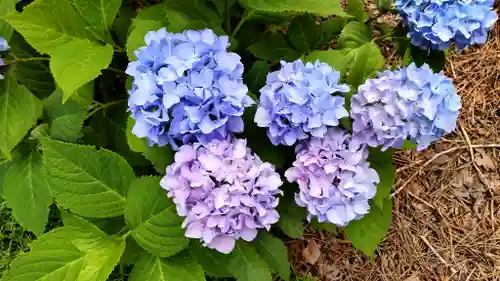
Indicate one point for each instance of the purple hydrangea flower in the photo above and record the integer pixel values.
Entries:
(334, 178)
(4, 46)
(224, 191)
(434, 24)
(412, 103)
(186, 88)
(297, 100)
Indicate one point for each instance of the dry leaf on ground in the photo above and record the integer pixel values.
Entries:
(485, 161)
(312, 252)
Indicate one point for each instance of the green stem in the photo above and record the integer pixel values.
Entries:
(246, 16)
(119, 71)
(118, 49)
(387, 36)
(25, 60)
(103, 106)
(228, 17)
(124, 235)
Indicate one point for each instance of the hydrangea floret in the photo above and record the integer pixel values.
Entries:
(4, 46)
(187, 88)
(412, 103)
(435, 24)
(334, 178)
(224, 192)
(297, 101)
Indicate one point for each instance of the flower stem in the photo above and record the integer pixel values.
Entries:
(103, 106)
(116, 70)
(246, 16)
(16, 60)
(228, 17)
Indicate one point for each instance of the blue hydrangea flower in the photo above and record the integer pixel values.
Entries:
(4, 46)
(224, 191)
(334, 178)
(434, 24)
(186, 88)
(297, 100)
(412, 103)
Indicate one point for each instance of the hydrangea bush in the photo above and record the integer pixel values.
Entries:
(435, 24)
(193, 138)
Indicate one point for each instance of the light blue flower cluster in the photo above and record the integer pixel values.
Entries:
(334, 178)
(434, 24)
(412, 103)
(186, 88)
(297, 101)
(4, 46)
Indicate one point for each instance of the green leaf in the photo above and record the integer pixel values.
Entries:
(176, 15)
(179, 268)
(274, 48)
(196, 10)
(381, 161)
(246, 265)
(161, 157)
(34, 74)
(54, 27)
(221, 6)
(123, 23)
(66, 120)
(84, 95)
(291, 216)
(27, 193)
(73, 70)
(304, 33)
(384, 5)
(324, 226)
(89, 182)
(19, 110)
(356, 8)
(255, 79)
(99, 15)
(331, 28)
(275, 253)
(132, 252)
(4, 168)
(407, 144)
(354, 35)
(337, 59)
(6, 7)
(366, 233)
(317, 7)
(108, 128)
(213, 262)
(435, 59)
(364, 62)
(153, 218)
(68, 253)
(260, 143)
(136, 144)
(49, 24)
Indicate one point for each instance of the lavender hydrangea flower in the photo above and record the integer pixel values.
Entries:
(412, 103)
(297, 100)
(186, 88)
(434, 24)
(334, 178)
(224, 191)
(4, 46)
